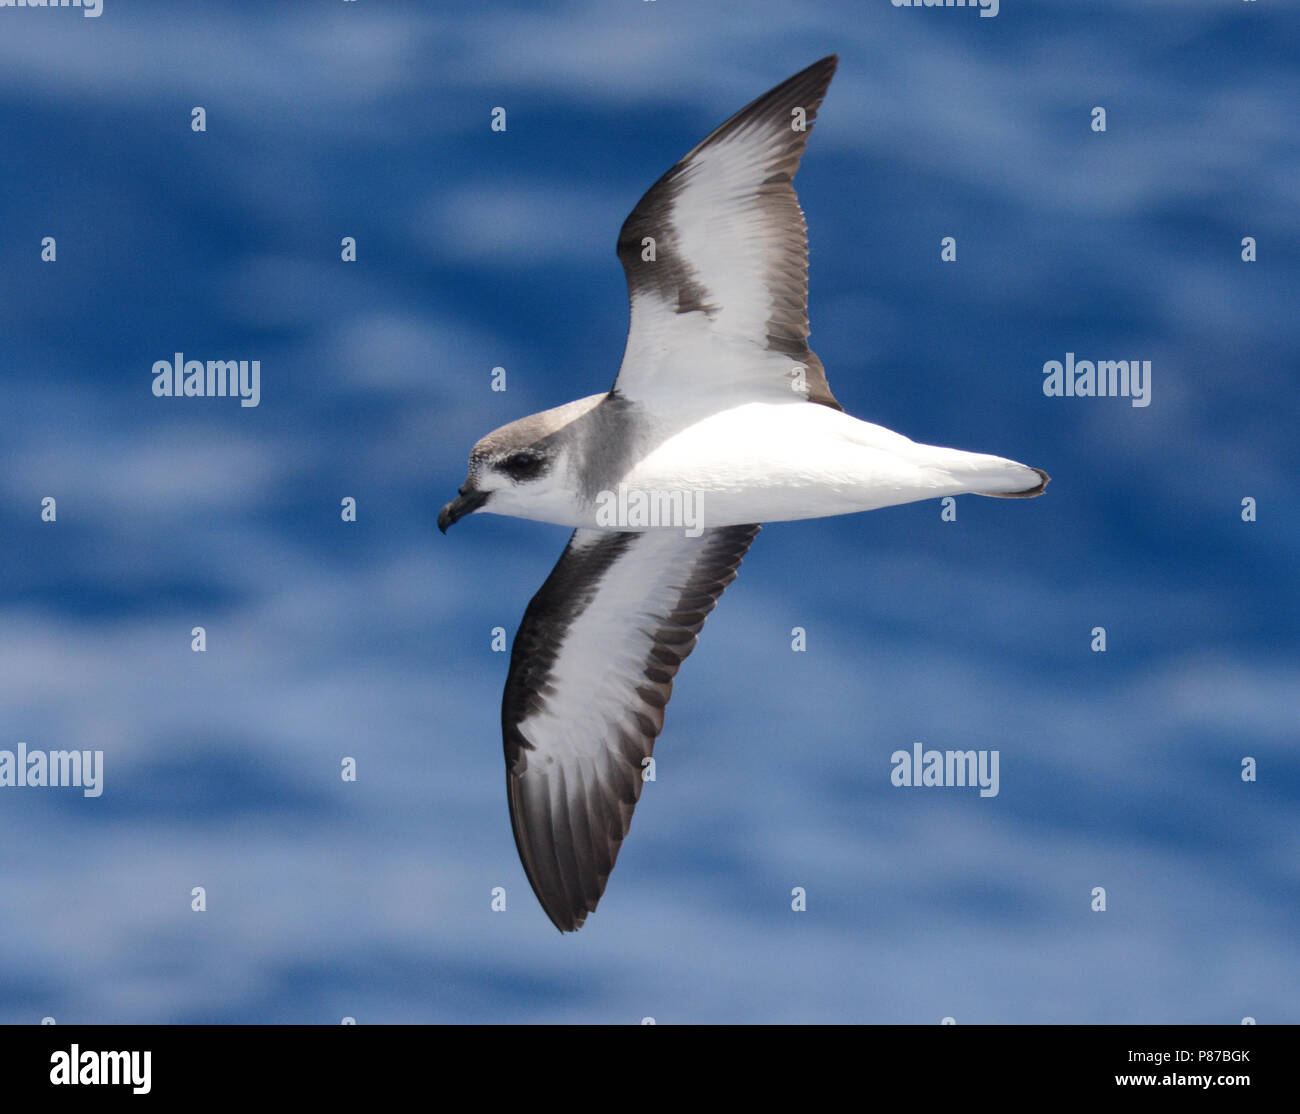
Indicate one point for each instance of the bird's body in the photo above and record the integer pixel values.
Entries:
(721, 418)
(758, 462)
(775, 462)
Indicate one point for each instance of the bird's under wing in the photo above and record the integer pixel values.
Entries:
(716, 258)
(591, 672)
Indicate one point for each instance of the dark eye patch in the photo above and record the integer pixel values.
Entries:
(522, 466)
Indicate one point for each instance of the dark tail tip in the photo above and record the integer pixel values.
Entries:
(1028, 493)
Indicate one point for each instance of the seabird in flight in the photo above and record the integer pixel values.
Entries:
(719, 405)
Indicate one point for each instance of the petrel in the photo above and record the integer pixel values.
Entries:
(719, 406)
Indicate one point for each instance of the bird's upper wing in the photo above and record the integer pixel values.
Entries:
(591, 672)
(716, 257)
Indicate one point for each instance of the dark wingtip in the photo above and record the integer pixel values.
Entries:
(823, 70)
